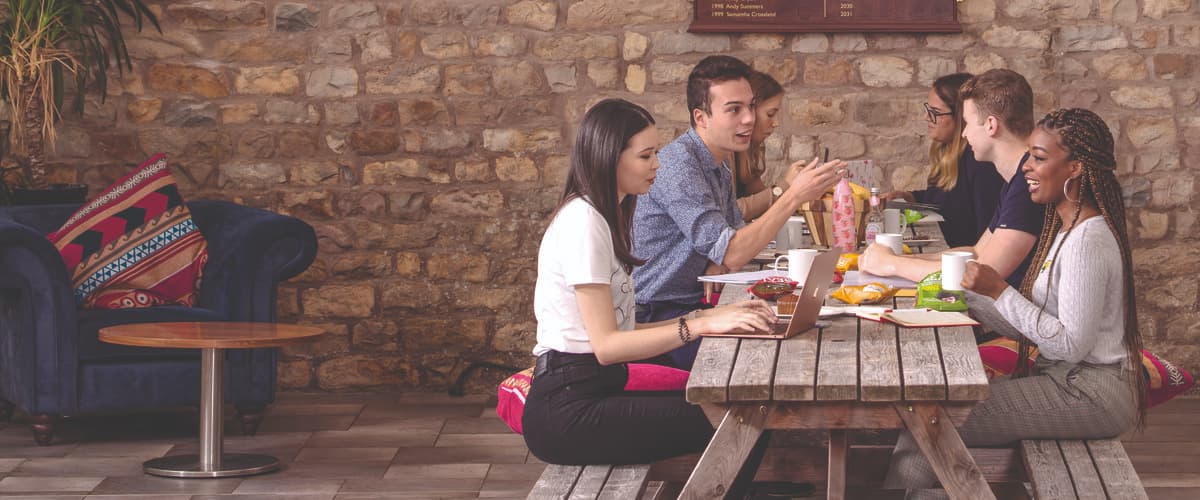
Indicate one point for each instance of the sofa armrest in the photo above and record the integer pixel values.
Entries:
(250, 251)
(38, 339)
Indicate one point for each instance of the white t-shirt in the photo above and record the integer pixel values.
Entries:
(577, 249)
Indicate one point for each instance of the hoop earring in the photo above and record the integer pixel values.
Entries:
(1065, 192)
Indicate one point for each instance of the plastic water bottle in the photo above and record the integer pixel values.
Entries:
(874, 217)
(845, 234)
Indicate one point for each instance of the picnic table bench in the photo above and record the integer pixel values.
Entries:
(1091, 469)
(615, 482)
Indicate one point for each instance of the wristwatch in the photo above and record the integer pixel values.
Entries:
(776, 192)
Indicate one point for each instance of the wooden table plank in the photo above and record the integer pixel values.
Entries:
(1083, 472)
(837, 362)
(938, 439)
(878, 362)
(965, 378)
(921, 365)
(625, 481)
(709, 379)
(796, 367)
(1046, 469)
(726, 452)
(590, 482)
(825, 415)
(753, 370)
(1120, 479)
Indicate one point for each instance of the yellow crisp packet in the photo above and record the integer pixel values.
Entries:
(870, 293)
(847, 262)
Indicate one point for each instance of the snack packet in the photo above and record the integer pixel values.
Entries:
(912, 215)
(772, 287)
(870, 293)
(847, 262)
(931, 295)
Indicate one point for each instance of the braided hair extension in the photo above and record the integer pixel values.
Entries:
(1088, 140)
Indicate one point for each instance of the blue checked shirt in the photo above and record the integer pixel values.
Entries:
(686, 220)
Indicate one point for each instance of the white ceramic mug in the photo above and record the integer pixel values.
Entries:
(791, 235)
(954, 264)
(894, 221)
(895, 241)
(799, 262)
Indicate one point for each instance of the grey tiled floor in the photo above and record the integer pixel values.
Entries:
(334, 446)
(409, 445)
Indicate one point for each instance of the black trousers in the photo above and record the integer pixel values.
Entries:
(577, 412)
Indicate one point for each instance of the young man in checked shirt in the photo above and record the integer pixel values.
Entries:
(689, 223)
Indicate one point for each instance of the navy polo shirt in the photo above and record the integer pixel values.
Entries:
(1017, 211)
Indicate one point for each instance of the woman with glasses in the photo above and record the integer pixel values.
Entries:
(967, 190)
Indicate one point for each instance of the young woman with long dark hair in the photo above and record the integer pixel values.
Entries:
(577, 411)
(1077, 305)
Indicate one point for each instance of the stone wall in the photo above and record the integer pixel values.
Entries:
(426, 140)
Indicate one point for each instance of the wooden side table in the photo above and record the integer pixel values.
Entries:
(212, 339)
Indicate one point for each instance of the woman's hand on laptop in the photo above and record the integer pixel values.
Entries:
(751, 315)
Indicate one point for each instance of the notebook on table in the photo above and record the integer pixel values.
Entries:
(808, 307)
(920, 318)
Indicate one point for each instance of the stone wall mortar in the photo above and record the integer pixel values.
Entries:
(427, 140)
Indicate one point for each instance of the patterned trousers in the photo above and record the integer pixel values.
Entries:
(1062, 401)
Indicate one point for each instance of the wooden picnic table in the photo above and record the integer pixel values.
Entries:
(849, 374)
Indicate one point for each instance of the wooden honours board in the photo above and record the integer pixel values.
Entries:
(774, 16)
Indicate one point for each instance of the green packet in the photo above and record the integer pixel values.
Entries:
(931, 295)
(912, 215)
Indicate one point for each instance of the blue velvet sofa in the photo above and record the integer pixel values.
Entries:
(52, 363)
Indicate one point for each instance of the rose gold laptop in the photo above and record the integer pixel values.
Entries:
(808, 308)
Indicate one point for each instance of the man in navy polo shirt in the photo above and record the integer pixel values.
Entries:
(689, 223)
(998, 111)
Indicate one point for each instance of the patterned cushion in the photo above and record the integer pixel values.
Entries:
(510, 396)
(135, 245)
(1166, 379)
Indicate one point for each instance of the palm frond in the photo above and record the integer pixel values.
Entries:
(43, 40)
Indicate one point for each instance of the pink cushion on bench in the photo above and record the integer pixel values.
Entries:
(510, 396)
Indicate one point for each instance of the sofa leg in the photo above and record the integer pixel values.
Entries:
(250, 417)
(43, 428)
(6, 410)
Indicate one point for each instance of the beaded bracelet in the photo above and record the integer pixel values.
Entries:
(684, 333)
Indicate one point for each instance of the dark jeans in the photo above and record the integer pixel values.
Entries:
(578, 413)
(682, 357)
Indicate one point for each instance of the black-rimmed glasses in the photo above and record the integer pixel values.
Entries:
(932, 113)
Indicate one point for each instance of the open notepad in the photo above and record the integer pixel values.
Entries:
(919, 318)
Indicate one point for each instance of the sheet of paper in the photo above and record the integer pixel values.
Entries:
(868, 312)
(744, 278)
(854, 278)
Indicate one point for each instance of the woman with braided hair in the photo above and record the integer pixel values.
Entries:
(1078, 309)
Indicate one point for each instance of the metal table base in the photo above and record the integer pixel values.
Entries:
(212, 461)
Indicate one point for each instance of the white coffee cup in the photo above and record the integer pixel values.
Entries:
(791, 235)
(799, 262)
(954, 264)
(895, 241)
(894, 221)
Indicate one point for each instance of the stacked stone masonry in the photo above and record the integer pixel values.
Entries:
(427, 141)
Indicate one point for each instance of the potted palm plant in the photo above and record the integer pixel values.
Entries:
(43, 44)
